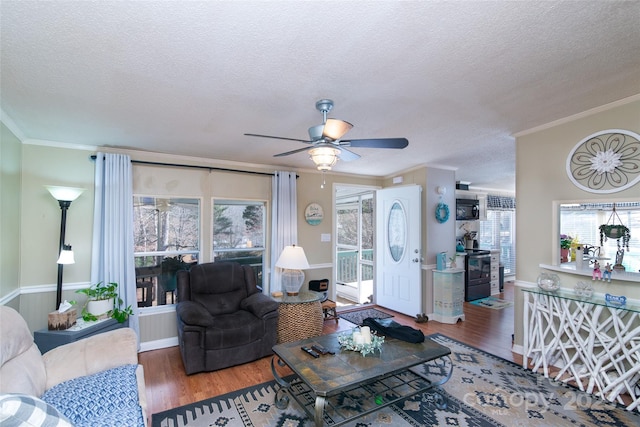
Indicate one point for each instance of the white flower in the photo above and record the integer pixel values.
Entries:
(605, 161)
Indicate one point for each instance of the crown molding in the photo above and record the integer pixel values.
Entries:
(58, 144)
(581, 115)
(11, 125)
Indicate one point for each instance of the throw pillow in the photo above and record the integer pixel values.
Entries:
(29, 411)
(100, 399)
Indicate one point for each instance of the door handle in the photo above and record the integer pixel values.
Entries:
(416, 260)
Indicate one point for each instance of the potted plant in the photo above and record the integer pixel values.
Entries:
(615, 231)
(103, 300)
(565, 246)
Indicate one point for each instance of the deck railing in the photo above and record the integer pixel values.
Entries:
(348, 266)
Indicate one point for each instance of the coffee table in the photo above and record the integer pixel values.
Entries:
(346, 385)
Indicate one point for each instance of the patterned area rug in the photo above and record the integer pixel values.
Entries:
(357, 316)
(484, 391)
(493, 303)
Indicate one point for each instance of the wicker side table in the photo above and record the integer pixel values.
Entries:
(299, 316)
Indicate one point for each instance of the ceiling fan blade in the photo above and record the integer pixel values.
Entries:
(347, 156)
(335, 128)
(376, 143)
(278, 137)
(292, 152)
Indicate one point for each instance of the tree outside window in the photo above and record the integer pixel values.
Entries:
(166, 240)
(239, 233)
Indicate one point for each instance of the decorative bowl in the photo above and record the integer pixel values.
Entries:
(549, 282)
(584, 289)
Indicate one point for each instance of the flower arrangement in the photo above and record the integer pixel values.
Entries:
(347, 342)
(565, 241)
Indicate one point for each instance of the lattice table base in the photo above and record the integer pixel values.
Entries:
(594, 345)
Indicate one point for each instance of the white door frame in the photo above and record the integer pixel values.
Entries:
(398, 266)
(355, 188)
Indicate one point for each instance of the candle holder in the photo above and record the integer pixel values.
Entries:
(346, 341)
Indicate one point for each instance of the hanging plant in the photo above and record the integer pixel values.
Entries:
(615, 231)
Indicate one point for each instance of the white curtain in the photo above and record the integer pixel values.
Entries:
(284, 222)
(112, 251)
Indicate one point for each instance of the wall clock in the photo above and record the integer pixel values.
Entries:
(313, 214)
(605, 162)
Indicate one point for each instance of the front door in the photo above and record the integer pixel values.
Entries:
(398, 249)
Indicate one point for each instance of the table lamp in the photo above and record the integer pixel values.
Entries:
(292, 260)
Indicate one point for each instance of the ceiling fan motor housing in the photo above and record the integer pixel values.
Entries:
(324, 106)
(315, 132)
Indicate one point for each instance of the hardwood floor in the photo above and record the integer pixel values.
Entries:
(168, 386)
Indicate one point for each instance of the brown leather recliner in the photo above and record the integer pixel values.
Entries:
(223, 318)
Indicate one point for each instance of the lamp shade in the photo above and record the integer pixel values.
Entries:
(66, 255)
(293, 258)
(335, 129)
(67, 194)
(324, 157)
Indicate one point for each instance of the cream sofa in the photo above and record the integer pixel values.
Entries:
(106, 364)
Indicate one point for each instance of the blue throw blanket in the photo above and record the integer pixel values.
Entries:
(108, 398)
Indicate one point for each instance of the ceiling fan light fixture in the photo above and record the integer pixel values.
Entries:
(324, 157)
(335, 129)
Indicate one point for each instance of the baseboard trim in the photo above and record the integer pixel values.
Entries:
(518, 349)
(158, 344)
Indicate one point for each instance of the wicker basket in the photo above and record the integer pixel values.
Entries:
(299, 321)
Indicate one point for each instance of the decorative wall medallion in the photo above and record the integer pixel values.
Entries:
(313, 214)
(605, 162)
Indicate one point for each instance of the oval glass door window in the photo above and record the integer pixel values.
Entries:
(397, 231)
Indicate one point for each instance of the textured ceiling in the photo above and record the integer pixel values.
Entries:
(457, 79)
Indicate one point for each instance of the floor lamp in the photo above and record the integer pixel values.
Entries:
(64, 196)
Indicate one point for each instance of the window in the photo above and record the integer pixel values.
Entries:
(582, 222)
(498, 231)
(166, 240)
(239, 233)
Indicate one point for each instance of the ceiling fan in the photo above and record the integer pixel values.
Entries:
(326, 145)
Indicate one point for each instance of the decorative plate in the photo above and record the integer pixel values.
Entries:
(605, 162)
(313, 214)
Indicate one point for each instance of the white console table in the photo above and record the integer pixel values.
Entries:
(589, 342)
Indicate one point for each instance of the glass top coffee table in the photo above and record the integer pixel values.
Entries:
(346, 385)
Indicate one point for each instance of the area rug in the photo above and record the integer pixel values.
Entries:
(357, 316)
(484, 390)
(493, 303)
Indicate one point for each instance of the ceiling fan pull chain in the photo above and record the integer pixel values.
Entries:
(323, 179)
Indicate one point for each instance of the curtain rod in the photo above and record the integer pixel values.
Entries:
(210, 168)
